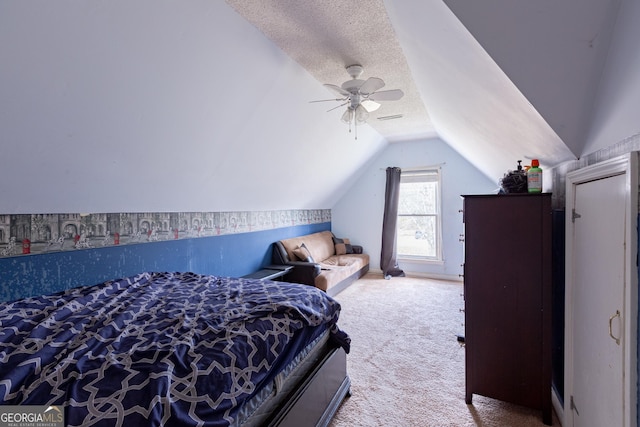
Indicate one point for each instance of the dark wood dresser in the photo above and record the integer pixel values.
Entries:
(507, 295)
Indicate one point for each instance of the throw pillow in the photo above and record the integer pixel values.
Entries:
(343, 246)
(303, 253)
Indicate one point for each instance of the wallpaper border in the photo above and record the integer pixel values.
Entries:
(32, 234)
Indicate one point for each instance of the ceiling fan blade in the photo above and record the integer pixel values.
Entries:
(341, 105)
(337, 89)
(370, 105)
(387, 95)
(371, 85)
(327, 100)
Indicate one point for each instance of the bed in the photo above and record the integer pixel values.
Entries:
(177, 349)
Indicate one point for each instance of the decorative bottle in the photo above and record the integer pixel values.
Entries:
(534, 177)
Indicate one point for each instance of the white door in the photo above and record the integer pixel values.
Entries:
(598, 294)
(598, 315)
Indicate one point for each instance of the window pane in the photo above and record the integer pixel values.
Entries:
(417, 236)
(418, 198)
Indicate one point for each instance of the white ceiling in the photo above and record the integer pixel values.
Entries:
(326, 37)
(145, 106)
(498, 80)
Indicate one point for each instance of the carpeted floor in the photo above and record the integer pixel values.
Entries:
(405, 365)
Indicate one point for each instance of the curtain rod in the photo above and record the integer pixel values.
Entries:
(436, 166)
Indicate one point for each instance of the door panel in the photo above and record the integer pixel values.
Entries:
(597, 295)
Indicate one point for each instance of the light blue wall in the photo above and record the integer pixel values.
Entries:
(227, 255)
(358, 214)
(161, 106)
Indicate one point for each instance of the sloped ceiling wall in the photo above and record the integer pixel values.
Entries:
(158, 105)
(554, 52)
(618, 102)
(474, 105)
(153, 105)
(500, 80)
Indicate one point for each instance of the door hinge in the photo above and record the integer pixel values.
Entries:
(574, 215)
(573, 406)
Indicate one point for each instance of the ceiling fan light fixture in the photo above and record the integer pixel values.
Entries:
(361, 114)
(370, 105)
(347, 117)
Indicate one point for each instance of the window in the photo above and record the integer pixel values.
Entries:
(419, 228)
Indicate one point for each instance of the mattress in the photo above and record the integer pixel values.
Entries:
(162, 348)
(260, 408)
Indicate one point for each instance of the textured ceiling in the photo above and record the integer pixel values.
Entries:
(325, 37)
(498, 80)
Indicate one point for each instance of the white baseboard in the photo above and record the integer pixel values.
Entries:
(375, 271)
(435, 276)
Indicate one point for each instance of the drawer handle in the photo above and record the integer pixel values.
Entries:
(617, 340)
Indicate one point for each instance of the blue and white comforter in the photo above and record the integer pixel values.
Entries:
(158, 348)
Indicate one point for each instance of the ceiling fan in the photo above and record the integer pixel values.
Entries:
(360, 96)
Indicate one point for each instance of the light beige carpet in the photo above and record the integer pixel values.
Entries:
(406, 366)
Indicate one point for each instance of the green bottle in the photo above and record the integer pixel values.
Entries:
(534, 177)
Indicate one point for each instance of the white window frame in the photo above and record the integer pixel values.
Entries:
(435, 175)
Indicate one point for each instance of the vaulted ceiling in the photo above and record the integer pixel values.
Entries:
(498, 80)
(198, 105)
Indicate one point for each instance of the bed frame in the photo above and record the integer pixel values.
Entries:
(319, 394)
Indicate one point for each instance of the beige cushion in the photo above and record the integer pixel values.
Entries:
(339, 267)
(320, 245)
(303, 253)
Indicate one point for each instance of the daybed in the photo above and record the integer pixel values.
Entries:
(177, 349)
(321, 260)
